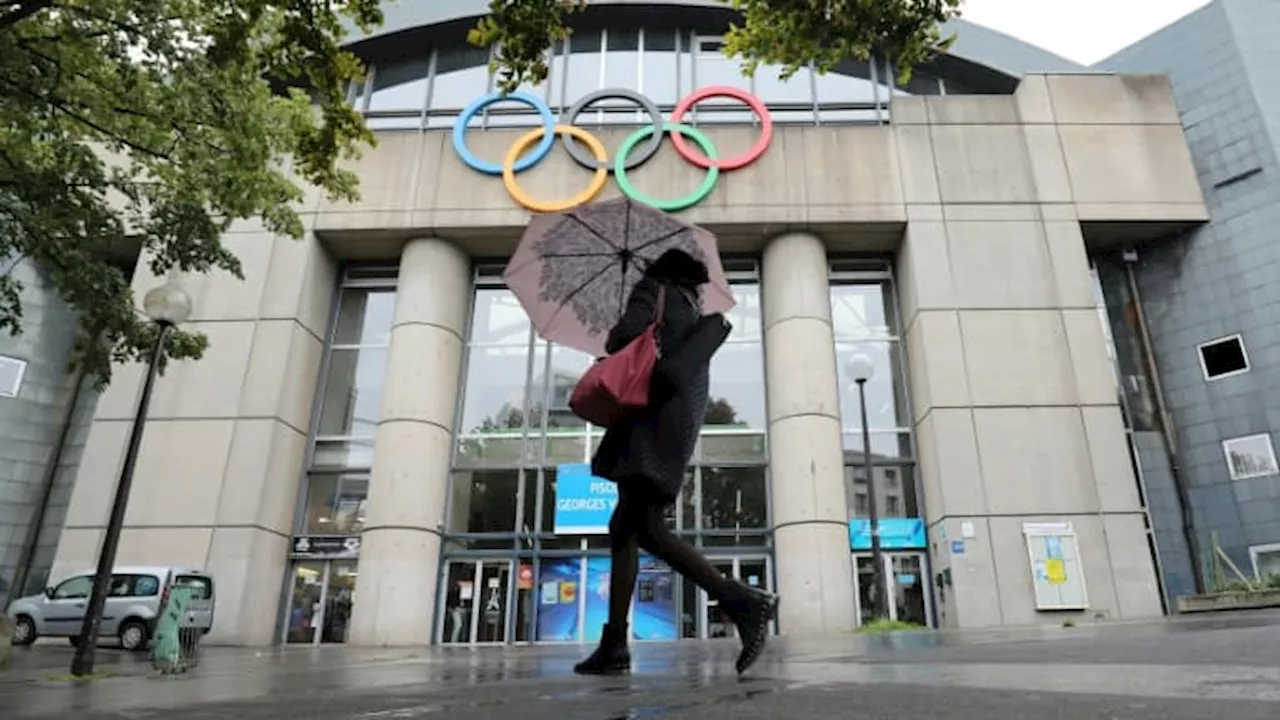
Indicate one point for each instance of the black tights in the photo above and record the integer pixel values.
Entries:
(638, 522)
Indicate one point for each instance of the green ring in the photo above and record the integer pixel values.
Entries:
(680, 203)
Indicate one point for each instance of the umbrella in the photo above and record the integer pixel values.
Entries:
(573, 271)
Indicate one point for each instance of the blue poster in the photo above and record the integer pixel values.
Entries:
(653, 613)
(584, 502)
(596, 613)
(895, 534)
(653, 608)
(1053, 547)
(558, 599)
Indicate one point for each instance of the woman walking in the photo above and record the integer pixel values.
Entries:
(647, 456)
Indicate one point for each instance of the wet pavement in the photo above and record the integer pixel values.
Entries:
(1206, 667)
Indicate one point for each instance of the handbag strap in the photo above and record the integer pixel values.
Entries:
(660, 312)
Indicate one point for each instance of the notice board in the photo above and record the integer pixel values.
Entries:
(1056, 570)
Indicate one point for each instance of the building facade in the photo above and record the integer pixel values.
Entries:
(1210, 302)
(375, 446)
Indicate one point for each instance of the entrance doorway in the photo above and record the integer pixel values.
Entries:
(714, 622)
(908, 588)
(476, 598)
(320, 600)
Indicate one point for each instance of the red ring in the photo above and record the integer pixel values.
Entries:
(733, 163)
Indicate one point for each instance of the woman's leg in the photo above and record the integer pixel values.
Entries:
(624, 563)
(751, 610)
(654, 536)
(612, 656)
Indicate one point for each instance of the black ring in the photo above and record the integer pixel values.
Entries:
(642, 156)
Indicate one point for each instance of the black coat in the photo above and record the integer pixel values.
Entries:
(657, 444)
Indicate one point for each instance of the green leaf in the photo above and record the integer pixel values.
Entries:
(155, 124)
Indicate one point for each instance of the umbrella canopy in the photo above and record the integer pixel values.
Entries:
(574, 271)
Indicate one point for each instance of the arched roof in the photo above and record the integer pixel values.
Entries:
(977, 48)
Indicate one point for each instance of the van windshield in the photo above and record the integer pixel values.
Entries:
(202, 584)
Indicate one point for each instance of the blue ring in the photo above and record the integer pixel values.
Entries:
(495, 168)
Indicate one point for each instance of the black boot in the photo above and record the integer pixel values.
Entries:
(752, 614)
(612, 657)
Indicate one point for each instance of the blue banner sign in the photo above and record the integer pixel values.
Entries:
(895, 534)
(584, 502)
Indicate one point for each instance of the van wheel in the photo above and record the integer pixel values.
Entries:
(133, 635)
(24, 631)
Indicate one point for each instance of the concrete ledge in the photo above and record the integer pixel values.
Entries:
(1229, 601)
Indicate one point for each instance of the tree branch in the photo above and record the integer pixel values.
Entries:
(24, 11)
(61, 107)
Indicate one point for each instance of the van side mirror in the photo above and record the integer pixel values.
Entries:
(48, 592)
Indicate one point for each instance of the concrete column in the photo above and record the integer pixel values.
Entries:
(810, 512)
(399, 557)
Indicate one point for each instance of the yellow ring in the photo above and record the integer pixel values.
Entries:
(533, 136)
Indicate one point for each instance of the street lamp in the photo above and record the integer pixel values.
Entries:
(860, 369)
(167, 306)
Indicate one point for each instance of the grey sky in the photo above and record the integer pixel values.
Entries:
(1082, 30)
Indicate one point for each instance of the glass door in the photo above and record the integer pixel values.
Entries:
(753, 571)
(909, 595)
(717, 622)
(340, 590)
(476, 596)
(490, 617)
(306, 599)
(910, 601)
(459, 601)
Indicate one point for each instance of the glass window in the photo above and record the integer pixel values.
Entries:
(399, 86)
(583, 74)
(1250, 457)
(862, 311)
(886, 402)
(352, 399)
(146, 586)
(364, 316)
(734, 498)
(846, 83)
(498, 317)
(885, 445)
(893, 499)
(516, 114)
(622, 70)
(745, 315)
(737, 370)
(76, 587)
(495, 390)
(336, 503)
(462, 75)
(661, 66)
(11, 372)
(556, 70)
(713, 68)
(795, 90)
(484, 501)
(921, 83)
(203, 585)
(340, 454)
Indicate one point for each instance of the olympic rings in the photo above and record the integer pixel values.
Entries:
(488, 168)
(750, 156)
(655, 117)
(520, 157)
(597, 183)
(693, 198)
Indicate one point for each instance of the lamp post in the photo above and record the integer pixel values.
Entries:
(167, 306)
(862, 368)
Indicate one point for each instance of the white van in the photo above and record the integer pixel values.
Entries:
(134, 599)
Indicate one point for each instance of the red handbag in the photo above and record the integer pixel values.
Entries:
(616, 387)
